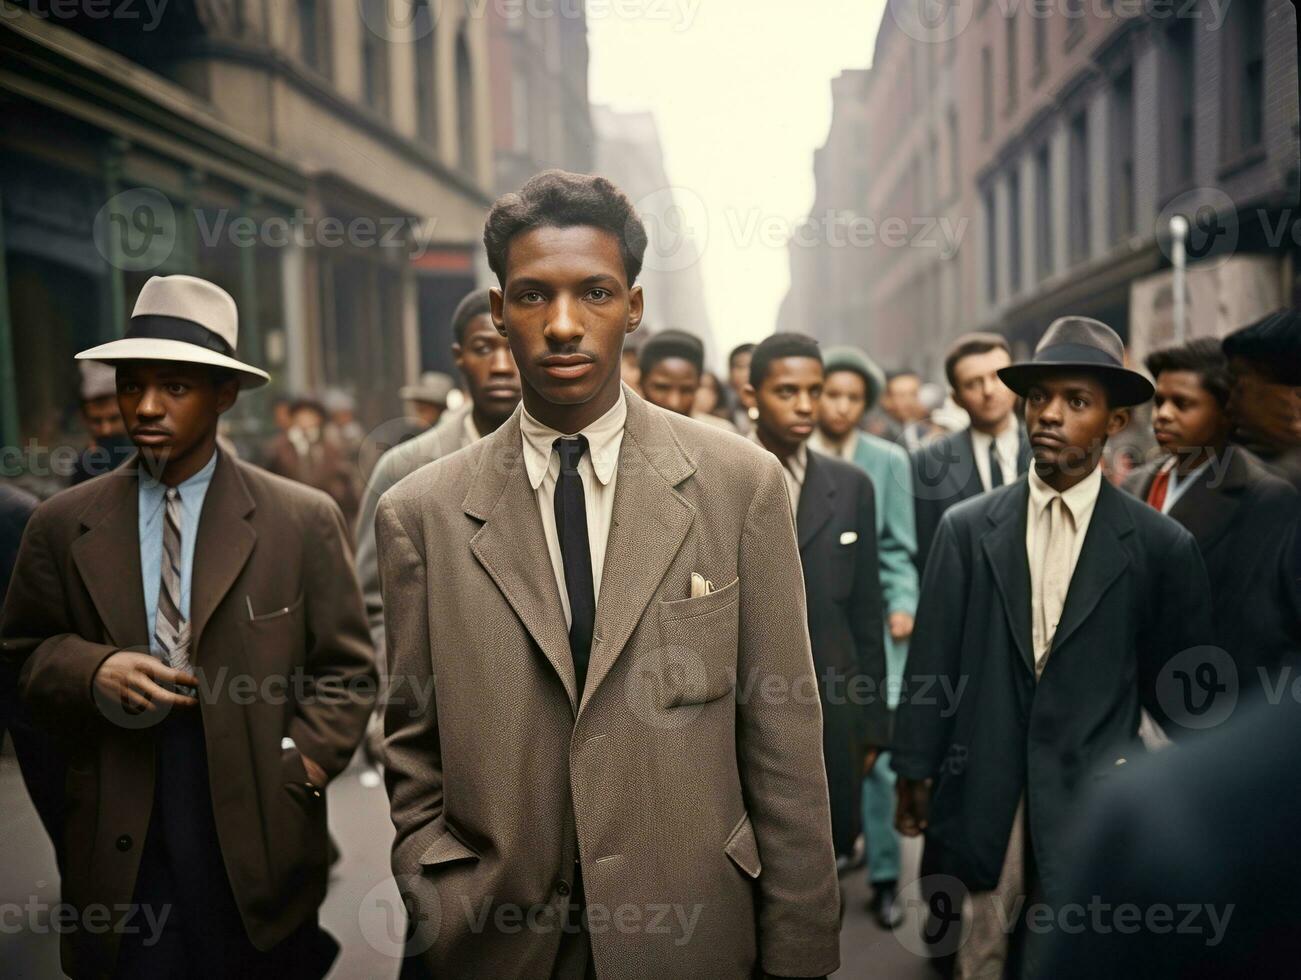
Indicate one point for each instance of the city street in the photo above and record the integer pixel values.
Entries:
(362, 911)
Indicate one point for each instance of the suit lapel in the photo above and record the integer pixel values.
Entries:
(1208, 511)
(815, 501)
(512, 548)
(1102, 560)
(223, 545)
(107, 556)
(650, 522)
(973, 487)
(1004, 548)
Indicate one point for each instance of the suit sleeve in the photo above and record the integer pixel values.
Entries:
(921, 729)
(412, 750)
(867, 620)
(54, 667)
(381, 480)
(340, 662)
(779, 745)
(1180, 621)
(898, 536)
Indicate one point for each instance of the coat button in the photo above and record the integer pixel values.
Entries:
(124, 842)
(562, 888)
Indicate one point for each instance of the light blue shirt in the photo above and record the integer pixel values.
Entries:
(153, 498)
(1179, 485)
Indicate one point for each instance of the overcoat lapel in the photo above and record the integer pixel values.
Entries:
(650, 522)
(107, 556)
(224, 543)
(816, 502)
(1004, 548)
(1102, 560)
(512, 548)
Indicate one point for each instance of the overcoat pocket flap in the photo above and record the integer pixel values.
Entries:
(743, 849)
(447, 848)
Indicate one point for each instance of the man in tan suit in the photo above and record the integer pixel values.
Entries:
(620, 771)
(191, 629)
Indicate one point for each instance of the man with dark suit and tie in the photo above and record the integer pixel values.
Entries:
(191, 629)
(1238, 511)
(990, 453)
(1050, 608)
(623, 750)
(835, 524)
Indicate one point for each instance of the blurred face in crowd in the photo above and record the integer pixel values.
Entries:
(1069, 418)
(630, 370)
(103, 418)
(787, 399)
(488, 367)
(1263, 411)
(977, 389)
(1187, 419)
(427, 412)
(707, 396)
(738, 371)
(171, 412)
(672, 383)
(281, 414)
(844, 400)
(902, 399)
(566, 307)
(307, 420)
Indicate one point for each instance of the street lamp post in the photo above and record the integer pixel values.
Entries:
(1179, 236)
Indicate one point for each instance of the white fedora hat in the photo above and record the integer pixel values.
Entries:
(181, 318)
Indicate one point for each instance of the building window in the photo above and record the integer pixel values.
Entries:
(1043, 207)
(465, 125)
(314, 35)
(1178, 115)
(1012, 53)
(374, 67)
(427, 89)
(1040, 45)
(1244, 59)
(986, 92)
(1122, 156)
(1078, 182)
(954, 153)
(991, 248)
(1014, 230)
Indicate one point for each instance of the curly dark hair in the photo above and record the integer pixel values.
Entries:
(1203, 357)
(559, 199)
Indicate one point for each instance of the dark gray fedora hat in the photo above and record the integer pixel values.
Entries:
(1077, 343)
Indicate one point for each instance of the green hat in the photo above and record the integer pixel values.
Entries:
(853, 359)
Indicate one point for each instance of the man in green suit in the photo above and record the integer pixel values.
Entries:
(853, 384)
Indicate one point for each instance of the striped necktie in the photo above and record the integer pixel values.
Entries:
(170, 630)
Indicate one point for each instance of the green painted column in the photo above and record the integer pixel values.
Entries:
(8, 369)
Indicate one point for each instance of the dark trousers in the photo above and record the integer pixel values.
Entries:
(183, 877)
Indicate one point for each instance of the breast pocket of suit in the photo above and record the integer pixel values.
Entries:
(697, 653)
(273, 638)
(842, 562)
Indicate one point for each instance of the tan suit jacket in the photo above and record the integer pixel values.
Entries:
(687, 778)
(76, 598)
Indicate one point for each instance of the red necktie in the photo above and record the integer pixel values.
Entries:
(1156, 495)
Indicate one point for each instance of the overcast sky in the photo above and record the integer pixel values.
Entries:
(742, 93)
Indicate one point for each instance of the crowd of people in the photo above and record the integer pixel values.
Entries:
(650, 657)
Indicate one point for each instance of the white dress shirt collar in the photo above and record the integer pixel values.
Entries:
(1079, 499)
(604, 439)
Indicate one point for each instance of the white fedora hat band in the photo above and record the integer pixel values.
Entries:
(163, 349)
(164, 327)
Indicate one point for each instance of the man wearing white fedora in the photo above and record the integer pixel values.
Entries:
(191, 629)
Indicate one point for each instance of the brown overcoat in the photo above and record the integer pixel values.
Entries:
(687, 778)
(281, 646)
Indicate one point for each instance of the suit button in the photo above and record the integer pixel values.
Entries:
(124, 842)
(562, 888)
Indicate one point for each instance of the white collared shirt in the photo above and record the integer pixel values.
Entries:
(1178, 485)
(598, 469)
(1080, 501)
(794, 467)
(820, 443)
(1007, 445)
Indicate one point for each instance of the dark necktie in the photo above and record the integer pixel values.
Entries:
(576, 554)
(995, 467)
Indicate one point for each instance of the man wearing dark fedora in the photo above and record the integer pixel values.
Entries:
(1053, 605)
(191, 630)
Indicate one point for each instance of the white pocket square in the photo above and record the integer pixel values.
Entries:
(848, 537)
